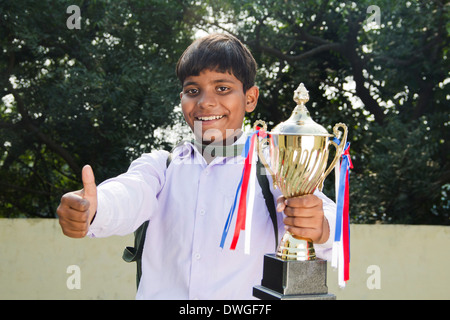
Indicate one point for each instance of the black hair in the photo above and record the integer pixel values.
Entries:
(221, 53)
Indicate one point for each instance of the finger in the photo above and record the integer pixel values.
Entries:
(281, 205)
(306, 201)
(302, 222)
(88, 178)
(67, 213)
(73, 226)
(75, 201)
(302, 212)
(309, 233)
(74, 233)
(70, 227)
(76, 216)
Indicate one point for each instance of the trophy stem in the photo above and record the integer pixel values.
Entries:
(295, 248)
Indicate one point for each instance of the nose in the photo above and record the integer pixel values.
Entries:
(206, 99)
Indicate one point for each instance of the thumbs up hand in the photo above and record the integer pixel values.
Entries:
(77, 208)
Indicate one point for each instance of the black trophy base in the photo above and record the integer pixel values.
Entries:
(293, 280)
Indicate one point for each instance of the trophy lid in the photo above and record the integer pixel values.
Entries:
(300, 122)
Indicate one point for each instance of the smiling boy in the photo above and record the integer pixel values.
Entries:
(187, 202)
(218, 76)
(218, 102)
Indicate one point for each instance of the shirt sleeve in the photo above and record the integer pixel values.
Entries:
(324, 250)
(130, 199)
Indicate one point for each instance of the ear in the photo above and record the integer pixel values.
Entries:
(251, 97)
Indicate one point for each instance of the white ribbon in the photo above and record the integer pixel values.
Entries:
(337, 257)
(250, 200)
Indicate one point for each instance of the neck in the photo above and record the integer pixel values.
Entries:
(224, 148)
(228, 141)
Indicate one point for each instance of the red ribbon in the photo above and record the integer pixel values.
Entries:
(346, 231)
(346, 153)
(242, 209)
(345, 216)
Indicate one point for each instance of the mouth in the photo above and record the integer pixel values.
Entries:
(209, 118)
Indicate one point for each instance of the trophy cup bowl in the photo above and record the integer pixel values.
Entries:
(298, 153)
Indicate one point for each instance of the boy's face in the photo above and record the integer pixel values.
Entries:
(214, 105)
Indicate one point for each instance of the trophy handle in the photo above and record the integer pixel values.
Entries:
(259, 150)
(339, 149)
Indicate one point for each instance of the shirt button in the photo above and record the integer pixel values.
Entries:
(202, 212)
(197, 256)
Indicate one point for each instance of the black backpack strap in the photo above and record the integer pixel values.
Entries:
(169, 160)
(268, 197)
(134, 254)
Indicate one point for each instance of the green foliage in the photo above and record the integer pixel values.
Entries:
(401, 178)
(387, 79)
(97, 95)
(93, 95)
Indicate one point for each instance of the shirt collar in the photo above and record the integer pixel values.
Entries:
(195, 149)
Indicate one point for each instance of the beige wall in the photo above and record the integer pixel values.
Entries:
(35, 256)
(410, 262)
(414, 262)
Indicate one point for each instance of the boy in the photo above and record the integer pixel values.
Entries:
(187, 202)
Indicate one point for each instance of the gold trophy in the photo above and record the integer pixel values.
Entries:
(298, 163)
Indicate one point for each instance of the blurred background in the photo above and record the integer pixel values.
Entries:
(95, 84)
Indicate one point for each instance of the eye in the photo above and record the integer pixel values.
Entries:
(191, 92)
(223, 89)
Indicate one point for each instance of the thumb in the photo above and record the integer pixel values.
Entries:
(281, 203)
(89, 186)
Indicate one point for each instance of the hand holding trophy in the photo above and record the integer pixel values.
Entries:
(298, 159)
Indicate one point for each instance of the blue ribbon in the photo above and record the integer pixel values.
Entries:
(245, 152)
(345, 164)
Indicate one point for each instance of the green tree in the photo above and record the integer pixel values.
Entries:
(75, 96)
(381, 67)
(97, 95)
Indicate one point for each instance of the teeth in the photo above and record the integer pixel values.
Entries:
(209, 118)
